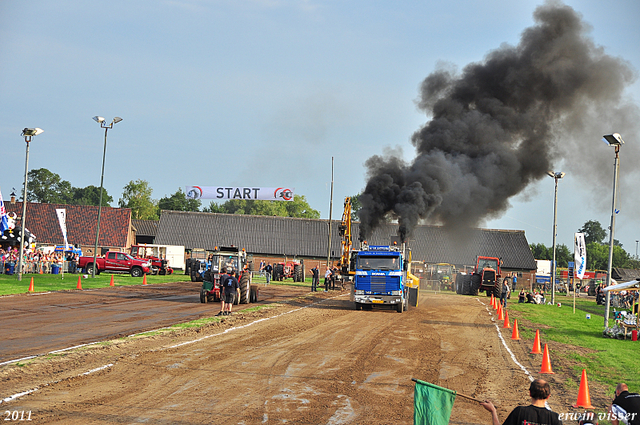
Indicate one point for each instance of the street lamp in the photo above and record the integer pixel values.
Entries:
(101, 121)
(616, 141)
(556, 176)
(27, 133)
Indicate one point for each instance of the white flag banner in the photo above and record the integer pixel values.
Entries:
(580, 255)
(4, 223)
(247, 193)
(62, 219)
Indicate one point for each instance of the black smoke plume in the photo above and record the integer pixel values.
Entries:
(494, 127)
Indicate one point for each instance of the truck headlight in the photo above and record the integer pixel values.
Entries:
(396, 292)
(359, 292)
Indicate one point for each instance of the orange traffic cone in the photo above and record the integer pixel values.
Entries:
(111, 283)
(492, 301)
(500, 313)
(144, 279)
(495, 303)
(506, 324)
(546, 361)
(79, 286)
(584, 399)
(516, 334)
(31, 285)
(536, 343)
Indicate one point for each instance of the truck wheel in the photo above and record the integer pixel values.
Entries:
(497, 289)
(253, 297)
(358, 306)
(476, 280)
(297, 273)
(400, 307)
(90, 269)
(244, 288)
(278, 273)
(136, 272)
(187, 267)
(458, 283)
(466, 285)
(192, 272)
(203, 296)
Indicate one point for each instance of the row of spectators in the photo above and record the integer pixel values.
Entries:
(36, 262)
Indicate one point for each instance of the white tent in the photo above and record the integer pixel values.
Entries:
(631, 285)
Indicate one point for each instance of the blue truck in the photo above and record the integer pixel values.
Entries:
(381, 278)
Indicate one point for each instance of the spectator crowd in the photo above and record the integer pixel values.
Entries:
(36, 262)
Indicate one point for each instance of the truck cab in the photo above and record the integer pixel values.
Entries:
(380, 278)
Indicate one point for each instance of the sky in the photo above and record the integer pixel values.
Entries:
(264, 93)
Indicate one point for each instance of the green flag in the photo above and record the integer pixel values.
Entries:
(432, 404)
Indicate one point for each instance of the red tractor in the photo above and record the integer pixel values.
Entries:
(486, 276)
(290, 269)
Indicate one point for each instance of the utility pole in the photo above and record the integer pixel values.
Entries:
(330, 213)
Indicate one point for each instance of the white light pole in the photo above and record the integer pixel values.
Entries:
(556, 176)
(101, 121)
(27, 133)
(616, 141)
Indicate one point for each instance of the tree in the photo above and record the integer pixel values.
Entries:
(356, 206)
(563, 255)
(90, 195)
(137, 196)
(593, 232)
(179, 202)
(296, 208)
(47, 187)
(299, 207)
(540, 252)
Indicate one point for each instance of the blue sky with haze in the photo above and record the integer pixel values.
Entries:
(265, 92)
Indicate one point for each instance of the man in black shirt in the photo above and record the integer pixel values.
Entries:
(534, 414)
(230, 288)
(625, 407)
(315, 280)
(267, 272)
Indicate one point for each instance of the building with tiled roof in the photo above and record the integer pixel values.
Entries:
(116, 231)
(307, 238)
(145, 230)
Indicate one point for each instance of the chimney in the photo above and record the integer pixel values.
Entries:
(13, 197)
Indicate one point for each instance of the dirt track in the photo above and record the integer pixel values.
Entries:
(312, 360)
(35, 324)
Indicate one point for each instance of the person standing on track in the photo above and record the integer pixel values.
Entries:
(267, 270)
(506, 289)
(231, 289)
(535, 413)
(315, 279)
(327, 279)
(223, 279)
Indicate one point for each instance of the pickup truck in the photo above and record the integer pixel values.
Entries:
(116, 262)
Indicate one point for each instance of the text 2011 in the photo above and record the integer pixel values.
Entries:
(17, 415)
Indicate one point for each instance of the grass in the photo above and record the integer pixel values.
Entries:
(287, 282)
(9, 284)
(607, 360)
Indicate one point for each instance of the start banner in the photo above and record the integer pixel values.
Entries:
(224, 193)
